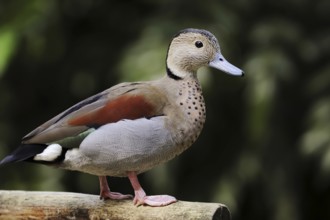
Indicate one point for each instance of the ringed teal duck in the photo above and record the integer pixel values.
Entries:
(131, 127)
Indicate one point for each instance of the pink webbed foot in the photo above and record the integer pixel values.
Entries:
(142, 199)
(156, 201)
(105, 192)
(114, 195)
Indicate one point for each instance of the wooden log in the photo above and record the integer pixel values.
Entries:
(63, 205)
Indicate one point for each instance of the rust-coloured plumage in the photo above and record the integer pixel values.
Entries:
(124, 107)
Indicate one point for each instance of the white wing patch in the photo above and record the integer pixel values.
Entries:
(50, 153)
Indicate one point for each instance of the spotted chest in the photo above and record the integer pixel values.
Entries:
(191, 101)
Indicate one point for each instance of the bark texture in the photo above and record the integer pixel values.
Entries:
(63, 205)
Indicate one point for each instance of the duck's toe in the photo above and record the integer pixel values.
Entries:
(155, 201)
(114, 195)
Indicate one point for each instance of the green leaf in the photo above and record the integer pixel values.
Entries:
(8, 42)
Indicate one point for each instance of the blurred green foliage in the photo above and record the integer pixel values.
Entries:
(265, 148)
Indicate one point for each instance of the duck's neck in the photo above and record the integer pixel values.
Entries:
(172, 75)
(177, 70)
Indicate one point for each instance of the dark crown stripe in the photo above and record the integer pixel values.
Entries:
(199, 31)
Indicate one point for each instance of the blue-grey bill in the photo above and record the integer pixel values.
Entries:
(222, 64)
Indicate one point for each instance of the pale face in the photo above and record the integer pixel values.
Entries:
(192, 49)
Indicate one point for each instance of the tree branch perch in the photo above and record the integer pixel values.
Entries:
(63, 205)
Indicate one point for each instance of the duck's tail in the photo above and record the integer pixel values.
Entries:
(34, 153)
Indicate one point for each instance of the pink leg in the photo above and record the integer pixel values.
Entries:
(105, 192)
(142, 199)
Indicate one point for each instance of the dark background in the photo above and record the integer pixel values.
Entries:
(265, 147)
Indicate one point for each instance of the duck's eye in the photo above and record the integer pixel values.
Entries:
(198, 44)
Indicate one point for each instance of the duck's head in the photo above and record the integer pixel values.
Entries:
(191, 49)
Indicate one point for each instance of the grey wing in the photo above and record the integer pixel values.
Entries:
(130, 145)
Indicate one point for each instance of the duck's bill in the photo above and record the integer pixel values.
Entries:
(222, 64)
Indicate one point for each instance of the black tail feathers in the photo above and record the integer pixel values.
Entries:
(24, 152)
